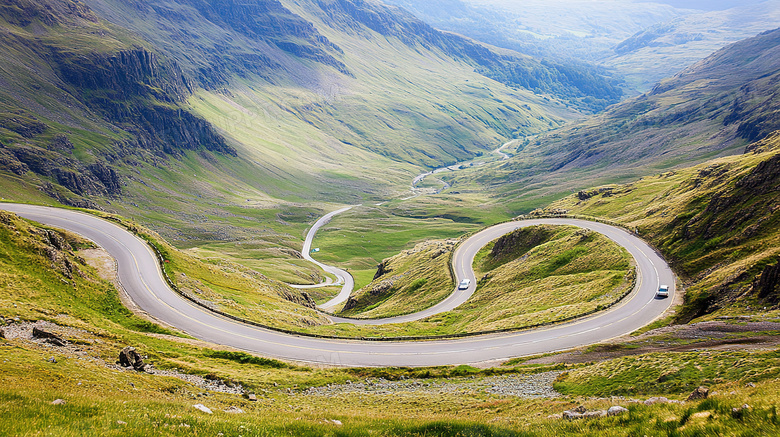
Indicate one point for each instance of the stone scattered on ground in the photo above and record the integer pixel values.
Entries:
(699, 393)
(616, 410)
(252, 397)
(58, 402)
(203, 408)
(121, 422)
(86, 349)
(744, 407)
(657, 400)
(524, 386)
(582, 413)
(334, 422)
(234, 410)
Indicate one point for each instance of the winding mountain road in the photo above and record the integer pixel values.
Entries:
(342, 276)
(140, 276)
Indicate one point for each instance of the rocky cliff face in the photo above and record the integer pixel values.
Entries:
(122, 87)
(140, 92)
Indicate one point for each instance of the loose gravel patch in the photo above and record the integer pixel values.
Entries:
(523, 386)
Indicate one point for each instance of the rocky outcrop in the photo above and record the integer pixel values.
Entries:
(9, 162)
(516, 243)
(107, 176)
(129, 357)
(767, 284)
(381, 288)
(61, 143)
(50, 337)
(140, 92)
(91, 180)
(301, 298)
(699, 393)
(382, 269)
(351, 303)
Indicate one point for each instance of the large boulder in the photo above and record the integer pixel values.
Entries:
(130, 358)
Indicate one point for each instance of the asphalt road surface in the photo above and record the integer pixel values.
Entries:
(343, 277)
(140, 275)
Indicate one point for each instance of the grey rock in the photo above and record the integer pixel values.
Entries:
(699, 393)
(571, 415)
(234, 410)
(594, 414)
(657, 400)
(58, 402)
(128, 357)
(616, 410)
(203, 408)
(252, 397)
(48, 336)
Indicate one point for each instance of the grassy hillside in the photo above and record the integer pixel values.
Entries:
(716, 223)
(64, 297)
(714, 108)
(557, 273)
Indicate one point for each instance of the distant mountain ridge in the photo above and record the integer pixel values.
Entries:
(716, 106)
(640, 42)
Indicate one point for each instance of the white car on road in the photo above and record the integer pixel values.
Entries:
(663, 291)
(464, 284)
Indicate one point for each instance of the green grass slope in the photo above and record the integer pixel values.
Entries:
(716, 223)
(535, 275)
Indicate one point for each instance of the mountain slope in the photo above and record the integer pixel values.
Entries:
(716, 223)
(661, 50)
(640, 42)
(78, 95)
(714, 108)
(309, 100)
